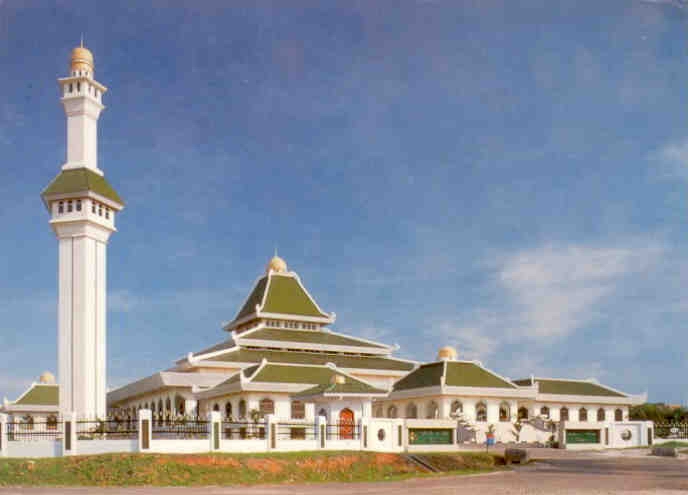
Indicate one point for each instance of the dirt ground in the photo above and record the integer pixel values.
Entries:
(557, 473)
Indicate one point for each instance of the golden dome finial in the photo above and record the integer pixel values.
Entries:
(47, 378)
(276, 264)
(447, 353)
(81, 61)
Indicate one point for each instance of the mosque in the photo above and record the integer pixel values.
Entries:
(280, 357)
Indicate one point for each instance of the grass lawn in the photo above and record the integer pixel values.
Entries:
(229, 469)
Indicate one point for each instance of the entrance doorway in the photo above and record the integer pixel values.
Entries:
(346, 424)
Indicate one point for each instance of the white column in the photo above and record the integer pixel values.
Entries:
(3, 435)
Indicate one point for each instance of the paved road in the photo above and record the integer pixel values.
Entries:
(552, 476)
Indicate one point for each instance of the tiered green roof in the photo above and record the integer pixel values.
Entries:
(40, 395)
(341, 361)
(308, 336)
(427, 375)
(281, 294)
(81, 180)
(456, 374)
(466, 374)
(570, 387)
(321, 376)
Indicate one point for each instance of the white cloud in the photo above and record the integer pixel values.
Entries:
(555, 288)
(541, 294)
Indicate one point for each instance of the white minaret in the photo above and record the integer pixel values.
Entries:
(82, 208)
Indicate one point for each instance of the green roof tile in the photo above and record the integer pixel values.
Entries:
(255, 356)
(255, 298)
(309, 336)
(294, 374)
(462, 374)
(286, 296)
(41, 395)
(570, 387)
(349, 387)
(427, 375)
(81, 180)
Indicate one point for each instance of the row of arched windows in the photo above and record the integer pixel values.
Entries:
(265, 406)
(432, 411)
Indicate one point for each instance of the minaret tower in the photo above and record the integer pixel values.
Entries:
(82, 208)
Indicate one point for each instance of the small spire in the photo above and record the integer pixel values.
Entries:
(82, 40)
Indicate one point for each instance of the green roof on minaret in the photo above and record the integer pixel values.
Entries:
(81, 180)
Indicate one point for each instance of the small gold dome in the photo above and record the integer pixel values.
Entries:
(47, 378)
(82, 60)
(338, 380)
(447, 353)
(276, 264)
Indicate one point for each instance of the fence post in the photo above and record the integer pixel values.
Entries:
(69, 444)
(363, 429)
(215, 419)
(3, 435)
(145, 426)
(270, 433)
(322, 431)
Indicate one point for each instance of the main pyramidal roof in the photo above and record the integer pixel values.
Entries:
(281, 322)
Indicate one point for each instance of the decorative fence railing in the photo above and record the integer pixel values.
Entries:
(296, 431)
(238, 430)
(33, 431)
(343, 431)
(110, 429)
(180, 429)
(678, 431)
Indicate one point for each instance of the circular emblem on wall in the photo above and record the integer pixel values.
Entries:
(674, 430)
(626, 435)
(381, 435)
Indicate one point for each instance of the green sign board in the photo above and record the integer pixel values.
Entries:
(582, 436)
(430, 436)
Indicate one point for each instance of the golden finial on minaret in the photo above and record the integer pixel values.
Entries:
(82, 61)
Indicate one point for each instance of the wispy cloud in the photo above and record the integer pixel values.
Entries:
(544, 294)
(671, 161)
(555, 288)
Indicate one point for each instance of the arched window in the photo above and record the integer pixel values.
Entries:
(564, 414)
(168, 405)
(153, 407)
(60, 207)
(159, 405)
(392, 411)
(412, 411)
(582, 414)
(181, 407)
(28, 422)
(481, 412)
(433, 411)
(522, 413)
(379, 413)
(601, 414)
(456, 408)
(145, 406)
(228, 410)
(51, 422)
(266, 406)
(504, 412)
(544, 412)
(242, 409)
(216, 407)
(322, 412)
(618, 415)
(298, 409)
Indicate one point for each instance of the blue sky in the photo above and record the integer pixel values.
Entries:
(505, 177)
